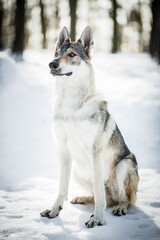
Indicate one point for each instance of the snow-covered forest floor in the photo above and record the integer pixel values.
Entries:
(28, 157)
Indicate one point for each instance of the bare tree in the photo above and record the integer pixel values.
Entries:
(18, 43)
(57, 17)
(1, 23)
(43, 23)
(73, 15)
(154, 47)
(116, 39)
(115, 27)
(55, 22)
(135, 17)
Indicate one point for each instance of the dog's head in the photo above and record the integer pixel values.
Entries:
(70, 55)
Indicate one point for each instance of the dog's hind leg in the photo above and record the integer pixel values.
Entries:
(125, 188)
(83, 200)
(121, 198)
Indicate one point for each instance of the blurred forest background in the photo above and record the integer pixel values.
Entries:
(118, 25)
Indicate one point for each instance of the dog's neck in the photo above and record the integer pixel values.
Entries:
(72, 92)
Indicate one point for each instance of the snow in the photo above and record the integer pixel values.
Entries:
(28, 157)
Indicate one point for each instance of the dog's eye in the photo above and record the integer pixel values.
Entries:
(72, 54)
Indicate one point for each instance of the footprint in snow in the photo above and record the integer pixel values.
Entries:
(143, 225)
(2, 207)
(14, 216)
(155, 204)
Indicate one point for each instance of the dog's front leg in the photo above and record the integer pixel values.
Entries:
(65, 170)
(97, 219)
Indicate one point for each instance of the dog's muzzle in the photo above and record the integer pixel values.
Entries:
(55, 70)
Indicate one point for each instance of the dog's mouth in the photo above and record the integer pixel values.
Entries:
(54, 73)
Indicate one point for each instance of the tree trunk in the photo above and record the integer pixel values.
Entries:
(57, 17)
(18, 44)
(115, 27)
(1, 23)
(154, 46)
(43, 23)
(140, 26)
(73, 15)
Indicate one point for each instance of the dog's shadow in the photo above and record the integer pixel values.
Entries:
(135, 225)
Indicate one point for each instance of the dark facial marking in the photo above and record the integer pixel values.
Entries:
(77, 48)
(63, 48)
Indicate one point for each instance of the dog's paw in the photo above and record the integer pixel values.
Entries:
(78, 200)
(55, 212)
(92, 222)
(120, 210)
(45, 213)
(83, 200)
(51, 213)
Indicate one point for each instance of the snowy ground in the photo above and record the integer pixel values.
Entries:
(28, 158)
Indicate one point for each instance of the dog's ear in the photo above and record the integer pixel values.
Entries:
(86, 40)
(63, 36)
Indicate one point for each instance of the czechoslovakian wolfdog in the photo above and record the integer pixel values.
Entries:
(87, 134)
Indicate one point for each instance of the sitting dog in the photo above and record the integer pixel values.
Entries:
(87, 134)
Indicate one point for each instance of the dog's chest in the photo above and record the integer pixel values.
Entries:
(80, 135)
(77, 127)
(80, 139)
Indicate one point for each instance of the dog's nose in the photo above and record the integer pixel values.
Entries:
(54, 64)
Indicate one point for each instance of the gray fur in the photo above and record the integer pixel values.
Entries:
(121, 150)
(77, 47)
